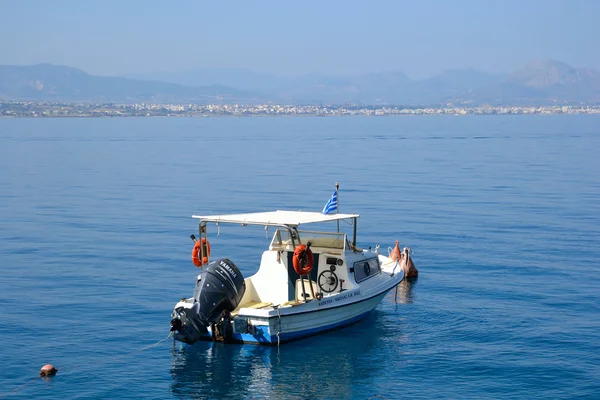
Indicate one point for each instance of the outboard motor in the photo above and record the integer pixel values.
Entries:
(219, 289)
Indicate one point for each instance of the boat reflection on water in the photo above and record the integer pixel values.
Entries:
(216, 370)
(403, 293)
(323, 366)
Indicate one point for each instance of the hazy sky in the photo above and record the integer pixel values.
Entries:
(420, 38)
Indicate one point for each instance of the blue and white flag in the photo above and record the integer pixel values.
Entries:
(331, 204)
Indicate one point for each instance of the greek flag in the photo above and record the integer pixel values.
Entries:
(331, 204)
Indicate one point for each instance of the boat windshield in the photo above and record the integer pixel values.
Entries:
(327, 240)
(282, 240)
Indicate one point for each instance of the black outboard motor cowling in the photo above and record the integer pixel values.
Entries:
(219, 289)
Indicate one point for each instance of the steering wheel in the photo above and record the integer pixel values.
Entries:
(328, 281)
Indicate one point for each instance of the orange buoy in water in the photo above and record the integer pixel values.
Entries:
(48, 370)
(396, 254)
(403, 257)
(410, 271)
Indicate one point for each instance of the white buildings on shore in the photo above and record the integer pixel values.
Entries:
(48, 109)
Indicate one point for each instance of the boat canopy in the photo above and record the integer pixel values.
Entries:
(287, 218)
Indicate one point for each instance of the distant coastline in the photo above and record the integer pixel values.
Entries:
(24, 109)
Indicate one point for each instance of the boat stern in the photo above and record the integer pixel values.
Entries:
(186, 326)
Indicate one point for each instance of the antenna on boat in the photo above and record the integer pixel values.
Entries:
(337, 209)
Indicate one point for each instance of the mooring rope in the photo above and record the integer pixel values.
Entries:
(80, 365)
(15, 390)
(278, 325)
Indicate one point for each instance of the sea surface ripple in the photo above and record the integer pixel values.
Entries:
(502, 213)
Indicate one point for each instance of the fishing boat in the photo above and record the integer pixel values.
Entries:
(308, 281)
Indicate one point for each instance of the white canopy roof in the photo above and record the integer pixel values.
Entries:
(289, 218)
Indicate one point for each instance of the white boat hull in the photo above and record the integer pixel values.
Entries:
(302, 324)
(275, 325)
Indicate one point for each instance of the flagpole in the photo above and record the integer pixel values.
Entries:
(337, 209)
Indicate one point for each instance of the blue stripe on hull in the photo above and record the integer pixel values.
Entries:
(262, 335)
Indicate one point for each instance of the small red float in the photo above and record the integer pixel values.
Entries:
(48, 370)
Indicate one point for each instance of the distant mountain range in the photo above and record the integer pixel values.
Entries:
(46, 82)
(374, 88)
(539, 83)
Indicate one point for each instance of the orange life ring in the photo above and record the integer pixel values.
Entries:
(303, 260)
(196, 252)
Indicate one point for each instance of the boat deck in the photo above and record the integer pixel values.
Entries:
(251, 304)
(258, 305)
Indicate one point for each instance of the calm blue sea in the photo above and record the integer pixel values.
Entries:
(502, 213)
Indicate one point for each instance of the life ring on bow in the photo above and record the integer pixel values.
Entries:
(196, 252)
(303, 260)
